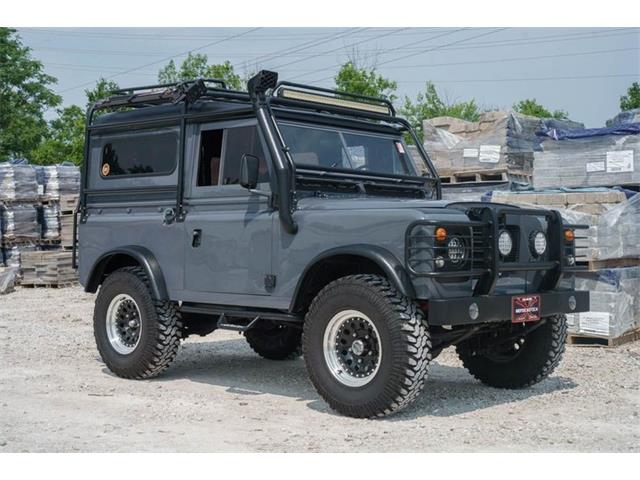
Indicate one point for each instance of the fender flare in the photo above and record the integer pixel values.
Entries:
(387, 261)
(143, 257)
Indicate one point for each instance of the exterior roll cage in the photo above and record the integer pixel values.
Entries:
(263, 97)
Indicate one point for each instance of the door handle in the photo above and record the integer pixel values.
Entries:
(196, 238)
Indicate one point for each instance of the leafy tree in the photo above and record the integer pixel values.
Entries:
(532, 108)
(363, 81)
(429, 104)
(102, 90)
(632, 99)
(197, 66)
(25, 95)
(64, 140)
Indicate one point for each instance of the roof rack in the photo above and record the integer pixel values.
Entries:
(122, 91)
(319, 96)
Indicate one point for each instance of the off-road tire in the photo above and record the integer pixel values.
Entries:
(161, 327)
(404, 340)
(280, 343)
(539, 356)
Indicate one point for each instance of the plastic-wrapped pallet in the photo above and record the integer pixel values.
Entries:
(8, 279)
(597, 160)
(61, 180)
(17, 182)
(19, 223)
(614, 299)
(618, 232)
(498, 141)
(49, 220)
(625, 118)
(11, 255)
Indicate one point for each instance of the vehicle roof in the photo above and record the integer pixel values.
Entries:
(159, 111)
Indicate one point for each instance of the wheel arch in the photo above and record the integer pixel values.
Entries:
(346, 260)
(129, 256)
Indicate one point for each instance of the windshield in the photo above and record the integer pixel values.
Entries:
(345, 149)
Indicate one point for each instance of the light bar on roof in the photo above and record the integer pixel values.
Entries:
(333, 101)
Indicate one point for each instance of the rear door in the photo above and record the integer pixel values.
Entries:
(227, 228)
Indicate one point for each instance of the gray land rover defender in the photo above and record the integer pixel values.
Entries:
(295, 215)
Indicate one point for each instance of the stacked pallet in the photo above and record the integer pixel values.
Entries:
(610, 249)
(498, 147)
(51, 268)
(36, 218)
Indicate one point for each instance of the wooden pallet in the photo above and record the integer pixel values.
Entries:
(68, 203)
(595, 265)
(479, 176)
(584, 340)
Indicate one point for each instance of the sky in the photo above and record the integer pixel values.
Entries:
(580, 70)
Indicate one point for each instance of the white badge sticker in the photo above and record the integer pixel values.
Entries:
(489, 153)
(399, 147)
(619, 162)
(595, 167)
(470, 153)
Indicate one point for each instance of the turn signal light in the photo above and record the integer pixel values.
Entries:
(441, 234)
(569, 236)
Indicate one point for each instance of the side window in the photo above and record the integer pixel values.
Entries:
(239, 141)
(140, 154)
(209, 159)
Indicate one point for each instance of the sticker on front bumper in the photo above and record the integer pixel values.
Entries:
(525, 308)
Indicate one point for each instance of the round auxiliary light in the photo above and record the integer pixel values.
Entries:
(441, 234)
(456, 250)
(505, 243)
(539, 243)
(569, 235)
(474, 311)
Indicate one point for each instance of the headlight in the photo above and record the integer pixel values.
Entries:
(538, 243)
(456, 250)
(505, 244)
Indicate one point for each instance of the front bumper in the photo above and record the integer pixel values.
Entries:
(497, 308)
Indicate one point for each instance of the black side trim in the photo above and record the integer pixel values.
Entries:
(145, 259)
(390, 265)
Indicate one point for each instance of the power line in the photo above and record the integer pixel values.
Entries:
(165, 59)
(442, 34)
(484, 34)
(527, 79)
(306, 45)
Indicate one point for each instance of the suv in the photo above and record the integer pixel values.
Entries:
(296, 216)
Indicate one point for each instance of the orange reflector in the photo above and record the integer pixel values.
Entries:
(441, 234)
(569, 236)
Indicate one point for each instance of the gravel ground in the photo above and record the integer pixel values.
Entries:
(56, 395)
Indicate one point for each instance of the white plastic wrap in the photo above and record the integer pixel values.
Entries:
(618, 231)
(17, 182)
(60, 180)
(19, 222)
(614, 300)
(8, 280)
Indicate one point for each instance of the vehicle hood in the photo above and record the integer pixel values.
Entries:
(368, 203)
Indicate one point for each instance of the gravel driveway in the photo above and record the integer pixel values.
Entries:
(56, 395)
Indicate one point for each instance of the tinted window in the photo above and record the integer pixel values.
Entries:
(210, 154)
(345, 149)
(239, 141)
(140, 154)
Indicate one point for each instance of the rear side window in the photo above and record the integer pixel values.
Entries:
(147, 153)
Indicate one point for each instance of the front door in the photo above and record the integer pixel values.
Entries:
(227, 228)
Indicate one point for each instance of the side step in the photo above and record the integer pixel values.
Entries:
(240, 319)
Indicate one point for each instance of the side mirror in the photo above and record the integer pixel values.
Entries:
(249, 171)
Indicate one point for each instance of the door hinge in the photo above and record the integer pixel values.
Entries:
(269, 282)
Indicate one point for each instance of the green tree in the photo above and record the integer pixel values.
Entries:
(363, 81)
(197, 66)
(532, 108)
(632, 99)
(25, 96)
(102, 90)
(64, 140)
(429, 104)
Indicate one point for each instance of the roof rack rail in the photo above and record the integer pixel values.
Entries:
(122, 91)
(324, 96)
